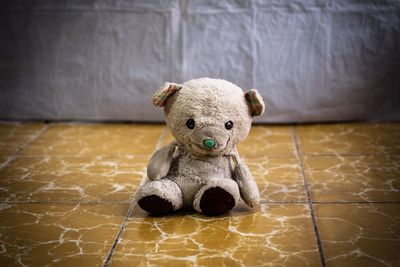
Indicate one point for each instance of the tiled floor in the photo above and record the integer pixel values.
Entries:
(330, 196)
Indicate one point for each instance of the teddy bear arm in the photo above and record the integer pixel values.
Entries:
(160, 162)
(247, 185)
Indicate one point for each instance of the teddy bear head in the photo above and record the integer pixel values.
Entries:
(208, 117)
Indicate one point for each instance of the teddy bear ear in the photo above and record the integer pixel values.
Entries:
(255, 102)
(161, 96)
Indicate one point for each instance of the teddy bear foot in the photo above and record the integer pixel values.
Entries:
(156, 205)
(216, 201)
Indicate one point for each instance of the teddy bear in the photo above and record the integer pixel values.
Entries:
(201, 169)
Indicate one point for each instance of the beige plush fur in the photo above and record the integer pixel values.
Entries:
(183, 170)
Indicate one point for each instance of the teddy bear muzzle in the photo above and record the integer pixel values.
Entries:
(209, 139)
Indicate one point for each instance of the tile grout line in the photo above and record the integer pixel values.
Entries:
(309, 202)
(107, 260)
(23, 146)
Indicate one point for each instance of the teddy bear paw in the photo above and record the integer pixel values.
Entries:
(156, 205)
(216, 201)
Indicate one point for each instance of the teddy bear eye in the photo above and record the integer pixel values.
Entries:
(228, 125)
(190, 123)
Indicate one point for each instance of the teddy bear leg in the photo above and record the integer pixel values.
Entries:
(160, 197)
(217, 197)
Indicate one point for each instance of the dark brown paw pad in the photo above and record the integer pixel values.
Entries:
(216, 201)
(156, 205)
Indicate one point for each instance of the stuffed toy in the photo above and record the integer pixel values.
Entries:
(202, 169)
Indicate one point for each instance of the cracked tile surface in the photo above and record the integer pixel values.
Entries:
(65, 192)
(361, 138)
(360, 234)
(278, 178)
(94, 179)
(278, 235)
(354, 178)
(267, 141)
(96, 140)
(15, 135)
(57, 234)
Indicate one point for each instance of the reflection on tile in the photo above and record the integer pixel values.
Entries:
(360, 235)
(275, 234)
(278, 178)
(364, 138)
(41, 234)
(353, 178)
(104, 178)
(95, 140)
(13, 136)
(267, 140)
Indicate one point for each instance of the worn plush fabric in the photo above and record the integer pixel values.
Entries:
(183, 170)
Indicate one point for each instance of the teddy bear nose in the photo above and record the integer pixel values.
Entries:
(209, 143)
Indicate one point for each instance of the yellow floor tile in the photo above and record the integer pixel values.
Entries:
(360, 235)
(96, 140)
(278, 178)
(104, 163)
(97, 179)
(274, 234)
(353, 178)
(67, 235)
(267, 141)
(364, 138)
(13, 136)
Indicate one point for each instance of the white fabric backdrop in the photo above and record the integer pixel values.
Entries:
(312, 60)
